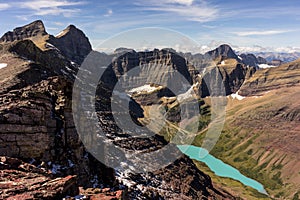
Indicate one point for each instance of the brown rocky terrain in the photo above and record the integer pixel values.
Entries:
(286, 75)
(20, 180)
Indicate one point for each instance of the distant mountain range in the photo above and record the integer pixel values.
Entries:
(286, 54)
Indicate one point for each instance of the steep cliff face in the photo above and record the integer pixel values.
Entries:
(37, 123)
(72, 43)
(161, 64)
(35, 112)
(225, 79)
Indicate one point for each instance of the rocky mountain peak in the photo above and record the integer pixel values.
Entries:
(71, 29)
(249, 59)
(223, 51)
(73, 43)
(33, 29)
(71, 26)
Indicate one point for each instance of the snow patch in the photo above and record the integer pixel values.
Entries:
(80, 197)
(64, 72)
(237, 96)
(240, 57)
(188, 94)
(70, 70)
(122, 177)
(223, 62)
(51, 46)
(145, 88)
(2, 65)
(265, 66)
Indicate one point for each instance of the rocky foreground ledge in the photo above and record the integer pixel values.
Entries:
(20, 180)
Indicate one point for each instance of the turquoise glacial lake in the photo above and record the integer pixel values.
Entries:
(219, 167)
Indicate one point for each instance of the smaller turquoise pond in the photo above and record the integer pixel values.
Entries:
(219, 167)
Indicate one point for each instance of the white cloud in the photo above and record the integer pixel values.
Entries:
(52, 28)
(41, 4)
(187, 9)
(57, 11)
(260, 12)
(48, 7)
(58, 23)
(22, 17)
(257, 48)
(208, 26)
(182, 2)
(4, 6)
(259, 33)
(109, 13)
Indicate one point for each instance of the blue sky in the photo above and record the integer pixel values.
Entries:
(244, 23)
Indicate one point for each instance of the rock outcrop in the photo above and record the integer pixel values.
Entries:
(72, 43)
(180, 180)
(261, 60)
(252, 60)
(35, 112)
(40, 126)
(249, 59)
(19, 180)
(222, 52)
(33, 29)
(229, 72)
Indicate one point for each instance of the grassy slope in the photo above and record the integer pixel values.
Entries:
(261, 134)
(261, 139)
(232, 186)
(272, 78)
